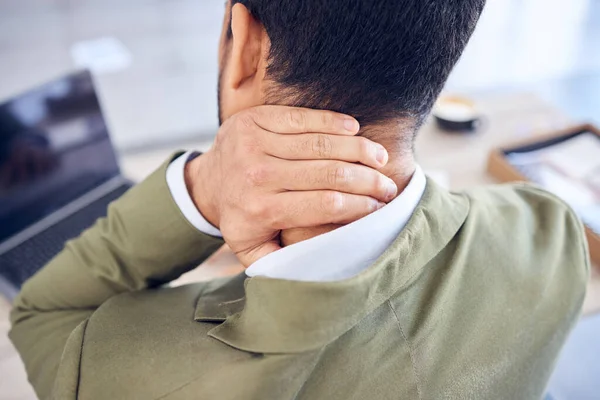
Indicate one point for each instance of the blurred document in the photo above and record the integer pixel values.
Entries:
(102, 56)
(577, 157)
(570, 170)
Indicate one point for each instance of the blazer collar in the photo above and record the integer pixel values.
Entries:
(263, 315)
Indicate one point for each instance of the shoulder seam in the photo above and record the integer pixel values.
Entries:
(410, 350)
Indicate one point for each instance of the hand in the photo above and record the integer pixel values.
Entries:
(273, 168)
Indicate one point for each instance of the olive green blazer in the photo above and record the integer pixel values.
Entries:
(473, 300)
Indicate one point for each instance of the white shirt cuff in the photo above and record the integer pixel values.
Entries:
(178, 188)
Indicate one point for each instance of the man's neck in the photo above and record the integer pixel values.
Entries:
(400, 169)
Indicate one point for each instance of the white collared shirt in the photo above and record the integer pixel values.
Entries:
(337, 255)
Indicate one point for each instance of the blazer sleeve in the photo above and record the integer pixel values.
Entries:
(144, 241)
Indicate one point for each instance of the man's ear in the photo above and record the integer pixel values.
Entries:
(247, 62)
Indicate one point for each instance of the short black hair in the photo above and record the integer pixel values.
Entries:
(377, 60)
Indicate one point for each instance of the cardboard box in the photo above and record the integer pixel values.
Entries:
(500, 168)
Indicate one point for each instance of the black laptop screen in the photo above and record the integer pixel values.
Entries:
(54, 147)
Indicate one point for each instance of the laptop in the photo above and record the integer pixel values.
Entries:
(58, 174)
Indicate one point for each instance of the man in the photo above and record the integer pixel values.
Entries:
(434, 295)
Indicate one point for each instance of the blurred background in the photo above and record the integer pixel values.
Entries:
(155, 60)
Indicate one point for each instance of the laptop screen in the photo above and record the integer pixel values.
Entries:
(54, 147)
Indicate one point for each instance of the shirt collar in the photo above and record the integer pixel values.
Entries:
(264, 315)
(348, 250)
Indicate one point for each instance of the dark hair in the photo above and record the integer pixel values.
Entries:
(377, 60)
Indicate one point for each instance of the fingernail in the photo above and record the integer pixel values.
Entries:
(380, 205)
(351, 125)
(381, 155)
(391, 190)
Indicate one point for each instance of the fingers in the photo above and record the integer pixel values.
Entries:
(292, 120)
(316, 146)
(309, 209)
(249, 257)
(334, 175)
(296, 235)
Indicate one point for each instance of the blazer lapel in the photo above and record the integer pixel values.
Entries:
(225, 298)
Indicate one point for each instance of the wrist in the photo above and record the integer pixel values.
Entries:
(197, 181)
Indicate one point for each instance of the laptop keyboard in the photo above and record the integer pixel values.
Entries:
(23, 261)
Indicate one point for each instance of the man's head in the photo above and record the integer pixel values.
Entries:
(381, 61)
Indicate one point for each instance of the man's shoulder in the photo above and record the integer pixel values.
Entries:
(157, 344)
(521, 196)
(501, 297)
(152, 313)
(146, 344)
(527, 208)
(528, 230)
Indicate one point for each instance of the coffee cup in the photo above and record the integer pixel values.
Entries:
(456, 114)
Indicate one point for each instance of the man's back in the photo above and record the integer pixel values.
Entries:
(473, 300)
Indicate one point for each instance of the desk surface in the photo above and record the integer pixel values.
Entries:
(459, 159)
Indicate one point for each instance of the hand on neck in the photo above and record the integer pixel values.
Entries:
(400, 169)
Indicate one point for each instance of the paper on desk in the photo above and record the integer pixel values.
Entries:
(574, 192)
(594, 180)
(578, 158)
(570, 170)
